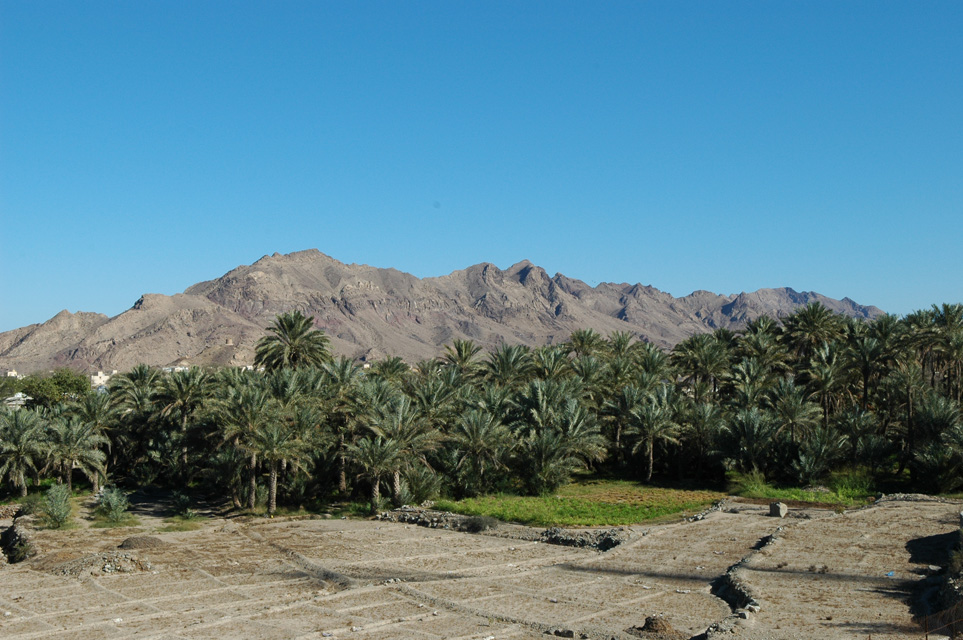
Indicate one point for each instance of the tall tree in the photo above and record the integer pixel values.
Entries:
(294, 342)
(21, 445)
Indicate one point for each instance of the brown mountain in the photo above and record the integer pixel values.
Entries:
(370, 313)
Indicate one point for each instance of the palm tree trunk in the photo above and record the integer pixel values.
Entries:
(375, 494)
(651, 448)
(69, 468)
(342, 466)
(184, 447)
(251, 499)
(273, 489)
(236, 496)
(397, 487)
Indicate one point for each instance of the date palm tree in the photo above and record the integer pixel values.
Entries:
(377, 457)
(242, 411)
(481, 442)
(586, 342)
(277, 441)
(462, 355)
(181, 395)
(73, 443)
(21, 445)
(509, 365)
(294, 342)
(652, 422)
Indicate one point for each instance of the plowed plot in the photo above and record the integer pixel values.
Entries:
(367, 580)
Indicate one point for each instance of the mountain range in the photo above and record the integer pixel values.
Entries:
(370, 313)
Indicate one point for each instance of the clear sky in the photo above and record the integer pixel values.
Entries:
(728, 146)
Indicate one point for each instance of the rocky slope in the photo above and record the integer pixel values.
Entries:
(370, 312)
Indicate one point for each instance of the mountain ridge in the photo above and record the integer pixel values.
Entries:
(370, 312)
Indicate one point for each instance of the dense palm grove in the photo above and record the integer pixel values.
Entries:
(792, 400)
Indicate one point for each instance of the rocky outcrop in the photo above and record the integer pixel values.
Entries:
(370, 313)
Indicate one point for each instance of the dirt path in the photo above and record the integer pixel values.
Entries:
(305, 579)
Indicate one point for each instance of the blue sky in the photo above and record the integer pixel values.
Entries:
(728, 146)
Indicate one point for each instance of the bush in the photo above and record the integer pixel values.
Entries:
(113, 504)
(852, 485)
(57, 507)
(477, 524)
(33, 503)
(749, 485)
(182, 506)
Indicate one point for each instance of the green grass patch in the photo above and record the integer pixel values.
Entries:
(182, 523)
(845, 489)
(588, 503)
(128, 520)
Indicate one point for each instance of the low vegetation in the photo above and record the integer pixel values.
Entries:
(586, 504)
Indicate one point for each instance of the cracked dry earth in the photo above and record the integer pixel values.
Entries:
(823, 576)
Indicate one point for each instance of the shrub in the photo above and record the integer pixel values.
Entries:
(33, 503)
(851, 485)
(113, 504)
(750, 485)
(182, 506)
(56, 507)
(477, 524)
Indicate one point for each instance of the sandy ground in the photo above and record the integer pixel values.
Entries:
(824, 575)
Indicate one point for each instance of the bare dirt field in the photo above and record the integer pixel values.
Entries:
(813, 574)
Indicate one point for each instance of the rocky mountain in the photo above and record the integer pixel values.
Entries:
(370, 313)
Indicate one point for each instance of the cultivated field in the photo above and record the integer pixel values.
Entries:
(822, 575)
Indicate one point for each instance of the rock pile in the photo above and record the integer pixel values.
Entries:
(601, 540)
(96, 564)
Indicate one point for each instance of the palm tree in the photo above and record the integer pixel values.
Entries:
(294, 343)
(461, 355)
(811, 327)
(620, 411)
(412, 435)
(276, 441)
(652, 422)
(701, 423)
(243, 411)
(377, 456)
(825, 376)
(338, 392)
(181, 395)
(74, 443)
(701, 359)
(21, 445)
(392, 369)
(551, 362)
(870, 360)
(509, 365)
(750, 435)
(481, 442)
(792, 410)
(586, 342)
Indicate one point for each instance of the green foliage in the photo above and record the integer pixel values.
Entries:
(852, 485)
(182, 506)
(181, 523)
(113, 504)
(32, 504)
(63, 385)
(848, 489)
(587, 504)
(57, 508)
